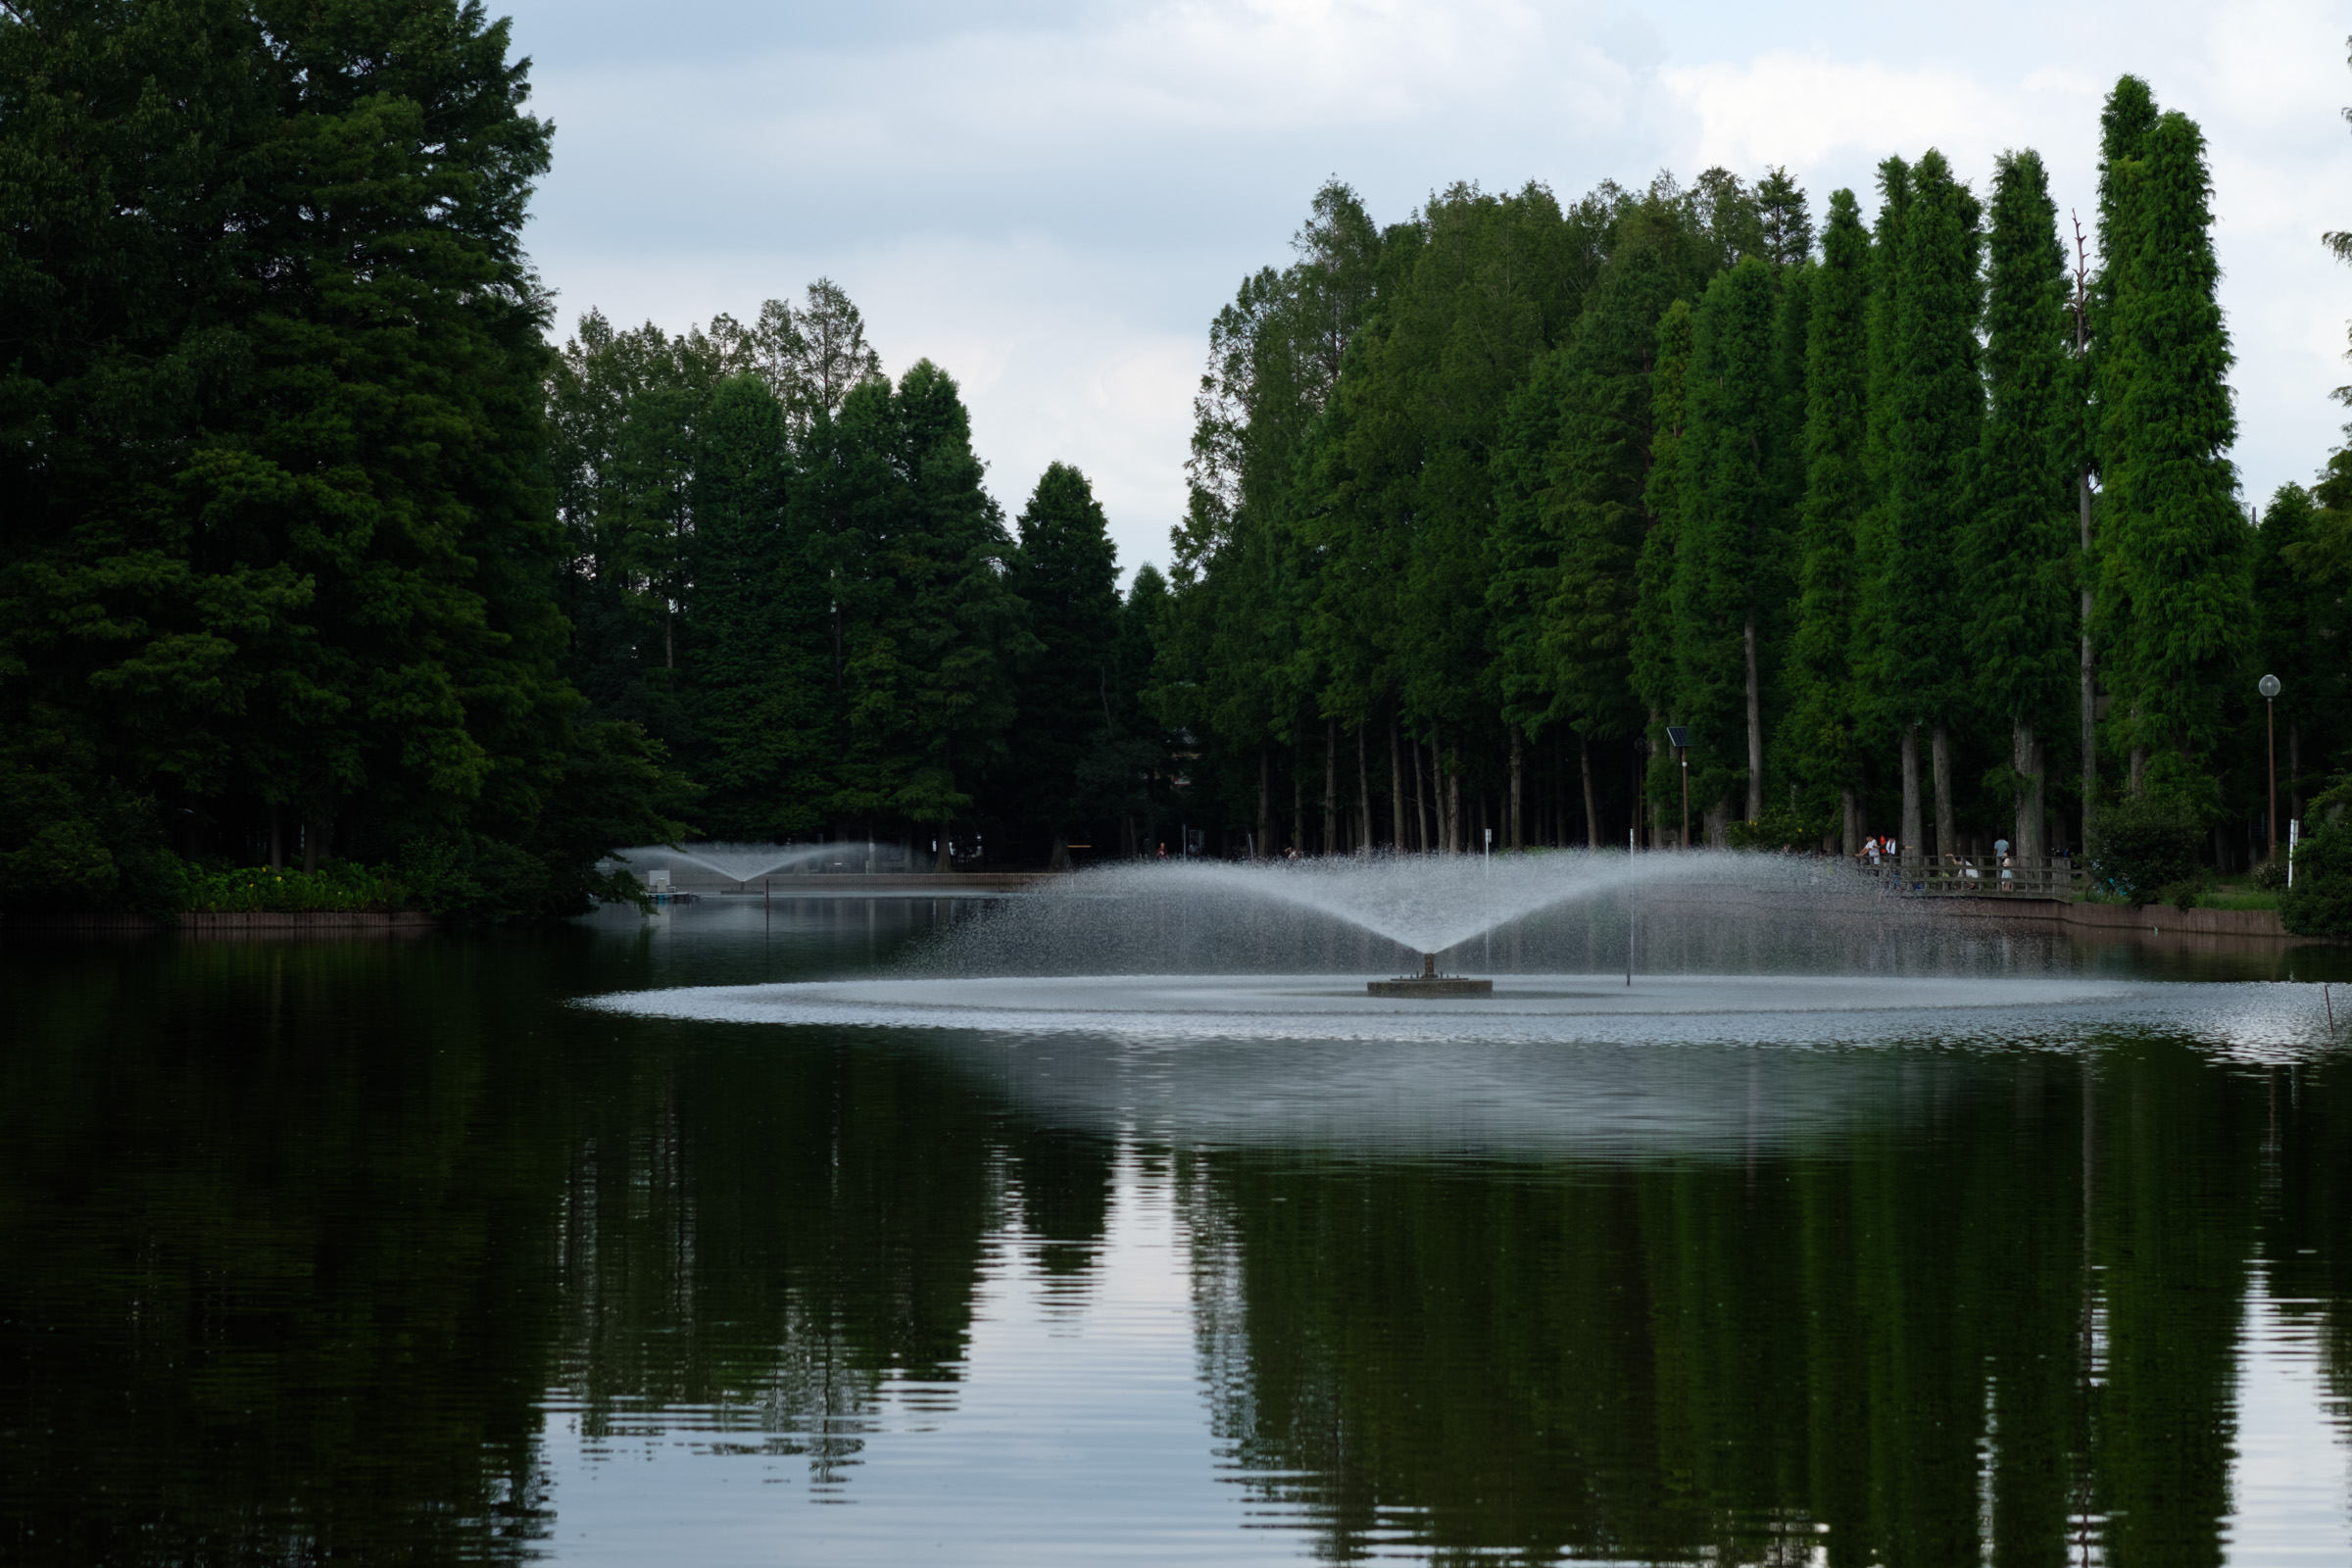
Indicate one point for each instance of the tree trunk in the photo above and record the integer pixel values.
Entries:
(1716, 823)
(1912, 831)
(2025, 760)
(1849, 815)
(1433, 808)
(946, 757)
(1420, 800)
(1363, 793)
(1297, 805)
(1453, 814)
(2090, 679)
(1939, 747)
(1059, 859)
(1260, 847)
(1518, 763)
(1331, 786)
(2139, 766)
(318, 840)
(1641, 753)
(277, 838)
(1397, 786)
(1755, 730)
(1584, 758)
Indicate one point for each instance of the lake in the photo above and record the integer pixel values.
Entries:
(388, 1250)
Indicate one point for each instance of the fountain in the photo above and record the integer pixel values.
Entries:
(1570, 946)
(745, 863)
(1430, 983)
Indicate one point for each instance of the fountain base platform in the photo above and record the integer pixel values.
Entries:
(1431, 985)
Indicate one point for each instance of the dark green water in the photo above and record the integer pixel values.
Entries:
(379, 1252)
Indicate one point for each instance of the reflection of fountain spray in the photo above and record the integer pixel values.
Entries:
(743, 863)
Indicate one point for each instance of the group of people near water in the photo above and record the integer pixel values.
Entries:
(1885, 850)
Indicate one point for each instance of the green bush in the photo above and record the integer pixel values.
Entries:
(2320, 904)
(1780, 828)
(337, 886)
(2144, 850)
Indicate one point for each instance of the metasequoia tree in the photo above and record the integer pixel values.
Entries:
(2018, 545)
(1821, 726)
(1935, 408)
(2175, 543)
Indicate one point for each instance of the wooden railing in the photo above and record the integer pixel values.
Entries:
(1966, 876)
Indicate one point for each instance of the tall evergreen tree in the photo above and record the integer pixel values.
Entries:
(1932, 432)
(1655, 658)
(2124, 121)
(930, 631)
(1726, 556)
(1067, 570)
(2177, 543)
(2018, 545)
(275, 542)
(625, 409)
(1823, 745)
(757, 677)
(1873, 616)
(1570, 469)
(2299, 634)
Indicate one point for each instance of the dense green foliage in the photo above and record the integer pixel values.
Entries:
(310, 547)
(277, 545)
(787, 568)
(2019, 544)
(311, 551)
(1579, 474)
(1822, 729)
(2144, 849)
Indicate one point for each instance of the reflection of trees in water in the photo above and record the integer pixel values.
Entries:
(2307, 1211)
(274, 1286)
(1064, 1178)
(300, 1237)
(1874, 1347)
(297, 1239)
(759, 1241)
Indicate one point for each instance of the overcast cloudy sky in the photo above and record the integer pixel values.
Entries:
(1052, 197)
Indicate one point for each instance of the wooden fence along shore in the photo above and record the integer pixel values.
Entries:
(1958, 877)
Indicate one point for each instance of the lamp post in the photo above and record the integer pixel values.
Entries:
(1679, 737)
(2269, 686)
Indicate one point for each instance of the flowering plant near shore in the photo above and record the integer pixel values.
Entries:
(339, 886)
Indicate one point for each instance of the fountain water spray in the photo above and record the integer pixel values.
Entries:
(748, 862)
(1561, 911)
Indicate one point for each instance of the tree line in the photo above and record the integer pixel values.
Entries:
(786, 568)
(316, 552)
(318, 557)
(1920, 526)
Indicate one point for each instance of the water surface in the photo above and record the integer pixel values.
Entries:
(389, 1251)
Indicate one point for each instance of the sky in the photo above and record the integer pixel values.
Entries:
(1052, 198)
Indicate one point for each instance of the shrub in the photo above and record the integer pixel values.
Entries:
(2320, 904)
(337, 886)
(2145, 850)
(1780, 828)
